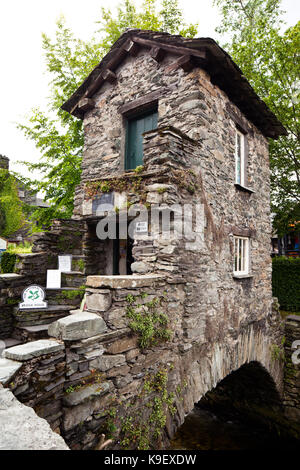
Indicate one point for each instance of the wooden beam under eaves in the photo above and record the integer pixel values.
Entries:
(109, 76)
(86, 104)
(131, 47)
(157, 53)
(185, 62)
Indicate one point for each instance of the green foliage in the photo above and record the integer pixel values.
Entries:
(11, 214)
(269, 60)
(57, 134)
(148, 321)
(286, 282)
(25, 247)
(136, 432)
(7, 262)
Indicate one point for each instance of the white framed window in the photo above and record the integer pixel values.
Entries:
(239, 158)
(241, 255)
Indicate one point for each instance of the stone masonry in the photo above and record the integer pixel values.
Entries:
(152, 343)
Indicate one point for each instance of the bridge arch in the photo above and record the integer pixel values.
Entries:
(249, 361)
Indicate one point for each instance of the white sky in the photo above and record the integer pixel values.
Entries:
(23, 81)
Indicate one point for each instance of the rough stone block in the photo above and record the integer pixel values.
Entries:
(22, 429)
(123, 282)
(77, 326)
(27, 351)
(139, 267)
(98, 302)
(104, 363)
(86, 393)
(8, 369)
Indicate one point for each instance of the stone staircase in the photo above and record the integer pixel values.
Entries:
(32, 324)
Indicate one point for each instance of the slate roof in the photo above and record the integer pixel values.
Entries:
(205, 53)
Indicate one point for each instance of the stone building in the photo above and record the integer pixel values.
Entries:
(182, 113)
(176, 154)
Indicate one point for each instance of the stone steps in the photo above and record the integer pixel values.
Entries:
(31, 317)
(32, 333)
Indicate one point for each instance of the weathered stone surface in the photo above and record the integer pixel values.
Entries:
(22, 429)
(7, 370)
(27, 351)
(77, 326)
(86, 393)
(98, 302)
(104, 363)
(139, 267)
(123, 282)
(122, 345)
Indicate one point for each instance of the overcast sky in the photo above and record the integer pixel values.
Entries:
(23, 81)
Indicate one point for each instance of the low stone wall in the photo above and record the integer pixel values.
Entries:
(292, 371)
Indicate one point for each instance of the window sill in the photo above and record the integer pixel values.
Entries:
(242, 276)
(243, 188)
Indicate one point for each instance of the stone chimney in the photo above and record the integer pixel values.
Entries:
(4, 162)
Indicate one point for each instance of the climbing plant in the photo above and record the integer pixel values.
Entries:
(148, 320)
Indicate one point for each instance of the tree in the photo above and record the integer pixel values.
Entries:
(11, 213)
(56, 133)
(270, 61)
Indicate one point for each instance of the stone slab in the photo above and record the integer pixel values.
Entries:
(27, 351)
(99, 302)
(7, 369)
(123, 282)
(22, 429)
(86, 393)
(77, 326)
(10, 276)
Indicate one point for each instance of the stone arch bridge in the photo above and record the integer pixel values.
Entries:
(126, 367)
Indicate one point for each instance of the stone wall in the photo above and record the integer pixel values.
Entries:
(29, 269)
(196, 133)
(292, 371)
(125, 367)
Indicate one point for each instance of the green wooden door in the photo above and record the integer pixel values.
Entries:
(134, 138)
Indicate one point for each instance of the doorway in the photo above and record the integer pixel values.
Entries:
(122, 254)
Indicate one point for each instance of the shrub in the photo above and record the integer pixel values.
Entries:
(7, 263)
(286, 282)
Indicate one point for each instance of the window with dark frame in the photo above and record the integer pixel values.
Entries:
(135, 127)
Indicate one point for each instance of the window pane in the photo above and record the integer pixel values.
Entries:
(241, 255)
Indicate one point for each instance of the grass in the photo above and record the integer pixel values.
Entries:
(25, 247)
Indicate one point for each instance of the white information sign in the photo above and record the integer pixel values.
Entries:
(33, 297)
(3, 244)
(141, 227)
(53, 279)
(65, 263)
